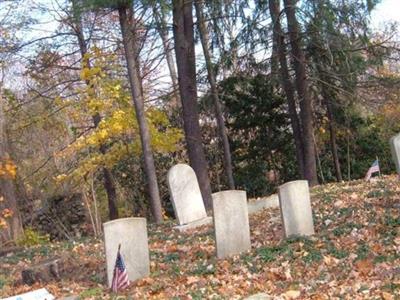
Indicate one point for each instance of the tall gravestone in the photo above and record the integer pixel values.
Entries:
(231, 222)
(295, 205)
(395, 147)
(131, 233)
(186, 197)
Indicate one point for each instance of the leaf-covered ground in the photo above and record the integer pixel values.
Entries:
(355, 254)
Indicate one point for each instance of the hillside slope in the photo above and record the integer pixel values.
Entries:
(355, 254)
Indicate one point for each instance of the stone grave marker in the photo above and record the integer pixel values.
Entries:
(295, 205)
(131, 233)
(186, 197)
(41, 294)
(231, 222)
(395, 147)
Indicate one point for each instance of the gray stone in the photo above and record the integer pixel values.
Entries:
(131, 233)
(70, 298)
(41, 294)
(194, 224)
(231, 222)
(259, 204)
(43, 272)
(395, 147)
(185, 194)
(295, 205)
(259, 296)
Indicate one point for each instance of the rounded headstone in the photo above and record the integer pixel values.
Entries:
(185, 193)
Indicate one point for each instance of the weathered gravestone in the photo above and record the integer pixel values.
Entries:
(395, 147)
(186, 197)
(131, 233)
(41, 294)
(295, 205)
(231, 223)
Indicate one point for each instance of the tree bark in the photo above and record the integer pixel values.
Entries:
(163, 32)
(306, 114)
(215, 96)
(287, 84)
(332, 134)
(186, 62)
(108, 182)
(134, 80)
(7, 184)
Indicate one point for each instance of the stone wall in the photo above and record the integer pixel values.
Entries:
(62, 217)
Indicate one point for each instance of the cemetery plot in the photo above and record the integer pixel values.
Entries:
(354, 252)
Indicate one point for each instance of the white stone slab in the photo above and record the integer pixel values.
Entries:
(185, 194)
(395, 147)
(295, 205)
(231, 222)
(131, 233)
(259, 204)
(41, 294)
(194, 224)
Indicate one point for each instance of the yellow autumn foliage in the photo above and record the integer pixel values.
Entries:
(118, 129)
(8, 168)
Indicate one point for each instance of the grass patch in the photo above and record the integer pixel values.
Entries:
(362, 251)
(346, 228)
(89, 293)
(204, 269)
(170, 257)
(268, 254)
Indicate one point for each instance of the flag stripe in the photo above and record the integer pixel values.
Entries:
(373, 169)
(120, 277)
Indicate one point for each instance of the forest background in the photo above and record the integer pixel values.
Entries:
(100, 98)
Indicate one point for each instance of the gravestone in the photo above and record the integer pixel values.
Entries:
(131, 233)
(295, 205)
(395, 147)
(231, 222)
(186, 197)
(41, 294)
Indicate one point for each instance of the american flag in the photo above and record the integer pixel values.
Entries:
(373, 169)
(120, 278)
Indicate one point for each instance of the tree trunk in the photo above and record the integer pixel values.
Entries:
(109, 184)
(214, 92)
(134, 80)
(332, 135)
(186, 62)
(287, 84)
(7, 184)
(310, 166)
(161, 25)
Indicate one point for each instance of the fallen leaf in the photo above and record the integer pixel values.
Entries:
(364, 266)
(387, 296)
(292, 294)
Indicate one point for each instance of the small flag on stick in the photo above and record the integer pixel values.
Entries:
(120, 279)
(373, 169)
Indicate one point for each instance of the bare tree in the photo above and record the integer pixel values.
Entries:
(126, 20)
(306, 113)
(109, 184)
(186, 62)
(279, 42)
(214, 93)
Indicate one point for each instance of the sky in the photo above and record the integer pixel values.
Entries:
(387, 10)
